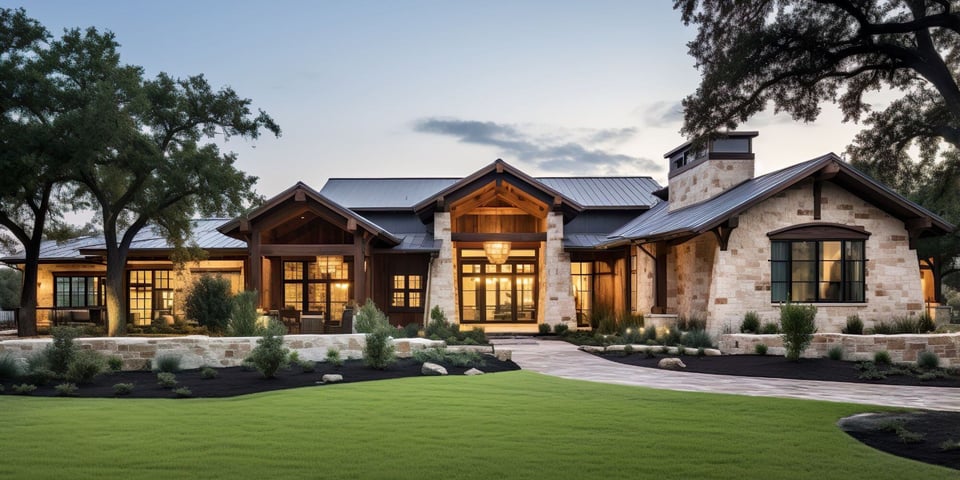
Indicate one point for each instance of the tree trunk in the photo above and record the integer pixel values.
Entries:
(116, 297)
(27, 316)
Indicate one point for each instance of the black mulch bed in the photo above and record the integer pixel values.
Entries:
(770, 366)
(878, 430)
(936, 427)
(235, 381)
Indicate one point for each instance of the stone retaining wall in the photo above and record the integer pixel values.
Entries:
(902, 348)
(196, 351)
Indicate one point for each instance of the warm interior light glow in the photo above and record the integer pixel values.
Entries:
(497, 252)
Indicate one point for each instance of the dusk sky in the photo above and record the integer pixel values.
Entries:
(434, 88)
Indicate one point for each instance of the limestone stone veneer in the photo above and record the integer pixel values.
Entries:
(196, 351)
(902, 348)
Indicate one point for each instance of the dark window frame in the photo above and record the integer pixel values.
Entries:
(87, 281)
(406, 290)
(847, 283)
(482, 275)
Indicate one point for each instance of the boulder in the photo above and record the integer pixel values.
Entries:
(473, 371)
(331, 378)
(671, 364)
(432, 369)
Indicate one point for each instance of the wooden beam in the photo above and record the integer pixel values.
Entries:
(275, 250)
(351, 225)
(828, 172)
(503, 237)
(299, 196)
(244, 225)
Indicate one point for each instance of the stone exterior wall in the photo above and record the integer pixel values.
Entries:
(557, 302)
(443, 282)
(902, 348)
(644, 282)
(693, 271)
(742, 272)
(707, 179)
(196, 351)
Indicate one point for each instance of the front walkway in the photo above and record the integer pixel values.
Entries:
(562, 359)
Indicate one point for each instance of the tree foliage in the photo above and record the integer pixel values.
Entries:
(797, 54)
(10, 284)
(210, 303)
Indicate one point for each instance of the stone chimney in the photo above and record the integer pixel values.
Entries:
(697, 175)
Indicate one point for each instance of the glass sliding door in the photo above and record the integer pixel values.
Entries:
(505, 293)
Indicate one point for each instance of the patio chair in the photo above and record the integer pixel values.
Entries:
(291, 319)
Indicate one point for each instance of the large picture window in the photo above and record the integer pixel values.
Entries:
(817, 271)
(322, 285)
(78, 291)
(498, 293)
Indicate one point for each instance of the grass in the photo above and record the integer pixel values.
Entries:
(507, 425)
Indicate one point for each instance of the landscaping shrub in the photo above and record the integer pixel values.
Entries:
(441, 355)
(209, 302)
(631, 336)
(166, 379)
(607, 324)
(122, 388)
(697, 339)
(925, 323)
(854, 325)
(770, 328)
(751, 323)
(38, 370)
(799, 325)
(182, 392)
(208, 373)
(835, 353)
(928, 360)
(85, 366)
(692, 323)
(543, 329)
(168, 362)
(649, 334)
(370, 318)
(411, 330)
(333, 357)
(244, 316)
(9, 367)
(760, 348)
(379, 352)
(477, 334)
(672, 337)
(24, 389)
(115, 363)
(62, 350)
(561, 329)
(307, 366)
(882, 357)
(439, 328)
(884, 328)
(629, 321)
(905, 325)
(66, 389)
(270, 355)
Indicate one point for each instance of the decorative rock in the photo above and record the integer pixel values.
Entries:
(331, 378)
(712, 352)
(591, 348)
(671, 364)
(473, 371)
(432, 369)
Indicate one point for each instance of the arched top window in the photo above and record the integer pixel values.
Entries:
(820, 231)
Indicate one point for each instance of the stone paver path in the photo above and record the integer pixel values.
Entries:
(562, 359)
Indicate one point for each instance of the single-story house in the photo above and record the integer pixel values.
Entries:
(506, 251)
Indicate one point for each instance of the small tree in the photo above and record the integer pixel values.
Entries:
(379, 352)
(209, 302)
(270, 355)
(798, 326)
(370, 318)
(243, 316)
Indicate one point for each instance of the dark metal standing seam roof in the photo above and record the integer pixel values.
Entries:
(204, 233)
(661, 223)
(606, 192)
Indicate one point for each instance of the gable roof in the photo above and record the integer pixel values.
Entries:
(372, 194)
(662, 224)
(233, 227)
(147, 241)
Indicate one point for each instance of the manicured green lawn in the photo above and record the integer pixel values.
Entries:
(507, 425)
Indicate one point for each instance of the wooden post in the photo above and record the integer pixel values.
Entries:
(359, 273)
(254, 280)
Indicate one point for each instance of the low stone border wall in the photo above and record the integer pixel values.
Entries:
(710, 352)
(902, 348)
(196, 351)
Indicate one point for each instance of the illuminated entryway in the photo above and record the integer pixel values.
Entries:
(504, 293)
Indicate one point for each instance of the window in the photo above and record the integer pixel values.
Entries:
(407, 291)
(150, 295)
(582, 277)
(318, 286)
(817, 271)
(498, 293)
(79, 291)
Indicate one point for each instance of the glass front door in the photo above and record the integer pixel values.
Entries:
(505, 293)
(319, 287)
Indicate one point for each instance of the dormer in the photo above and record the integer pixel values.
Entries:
(697, 174)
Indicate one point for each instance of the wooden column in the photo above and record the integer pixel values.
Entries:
(254, 278)
(660, 274)
(360, 292)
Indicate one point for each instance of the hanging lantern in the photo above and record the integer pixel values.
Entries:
(497, 252)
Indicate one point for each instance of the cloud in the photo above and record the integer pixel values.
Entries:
(662, 113)
(563, 151)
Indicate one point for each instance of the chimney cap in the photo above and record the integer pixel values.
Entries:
(732, 134)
